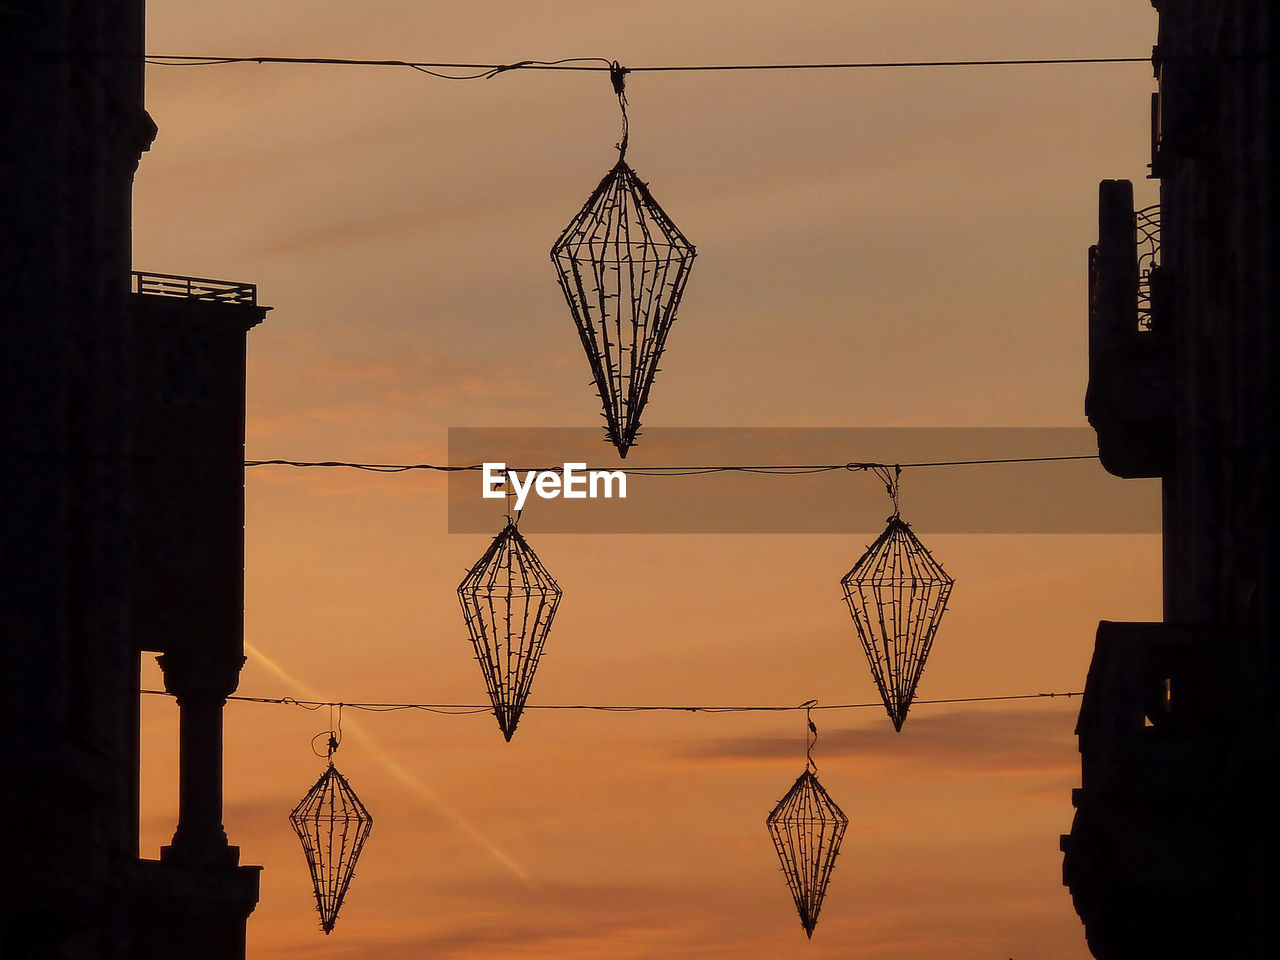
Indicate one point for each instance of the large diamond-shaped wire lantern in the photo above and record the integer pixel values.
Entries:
(897, 593)
(807, 827)
(333, 825)
(622, 265)
(509, 601)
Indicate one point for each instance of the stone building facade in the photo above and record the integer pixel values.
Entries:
(121, 514)
(1174, 841)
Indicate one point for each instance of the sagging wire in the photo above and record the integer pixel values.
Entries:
(466, 709)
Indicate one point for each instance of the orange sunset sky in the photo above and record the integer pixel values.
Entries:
(879, 248)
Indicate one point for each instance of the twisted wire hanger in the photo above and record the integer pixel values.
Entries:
(333, 734)
(618, 79)
(891, 479)
(810, 736)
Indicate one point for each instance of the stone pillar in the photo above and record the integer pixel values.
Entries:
(201, 684)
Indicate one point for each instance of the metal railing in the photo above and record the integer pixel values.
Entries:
(1146, 224)
(194, 288)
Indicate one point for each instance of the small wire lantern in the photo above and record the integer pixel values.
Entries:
(333, 826)
(897, 593)
(807, 827)
(509, 601)
(622, 265)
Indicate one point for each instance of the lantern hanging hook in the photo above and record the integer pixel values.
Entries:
(892, 479)
(810, 736)
(618, 79)
(332, 736)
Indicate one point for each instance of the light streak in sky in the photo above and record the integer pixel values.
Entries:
(397, 770)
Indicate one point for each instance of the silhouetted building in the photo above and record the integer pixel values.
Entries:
(1173, 848)
(122, 501)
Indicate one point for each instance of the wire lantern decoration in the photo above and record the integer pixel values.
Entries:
(807, 827)
(622, 265)
(897, 593)
(509, 601)
(333, 825)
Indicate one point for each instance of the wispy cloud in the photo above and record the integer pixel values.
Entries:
(1029, 739)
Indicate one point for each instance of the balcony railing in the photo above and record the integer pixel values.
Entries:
(194, 288)
(1130, 371)
(1146, 224)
